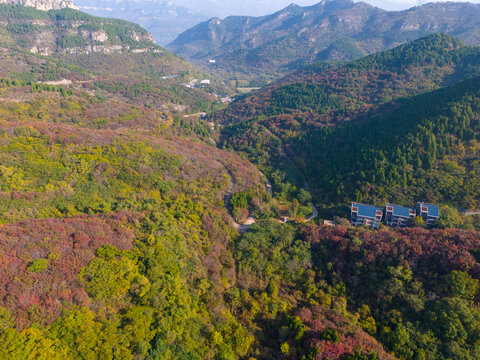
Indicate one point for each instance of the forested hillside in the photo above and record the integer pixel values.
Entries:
(102, 56)
(134, 227)
(318, 96)
(323, 121)
(114, 240)
(426, 148)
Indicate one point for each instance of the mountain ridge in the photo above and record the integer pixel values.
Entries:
(103, 56)
(272, 44)
(44, 5)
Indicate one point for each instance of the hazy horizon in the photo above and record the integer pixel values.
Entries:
(264, 7)
(167, 19)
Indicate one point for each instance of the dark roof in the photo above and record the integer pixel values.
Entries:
(431, 209)
(401, 210)
(368, 211)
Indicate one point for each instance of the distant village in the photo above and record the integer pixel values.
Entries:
(395, 215)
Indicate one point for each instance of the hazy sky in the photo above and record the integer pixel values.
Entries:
(404, 4)
(224, 8)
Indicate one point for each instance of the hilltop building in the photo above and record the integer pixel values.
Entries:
(398, 216)
(429, 212)
(366, 215)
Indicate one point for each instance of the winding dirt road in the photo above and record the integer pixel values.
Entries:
(242, 228)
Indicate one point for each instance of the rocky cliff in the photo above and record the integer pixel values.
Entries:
(70, 31)
(42, 4)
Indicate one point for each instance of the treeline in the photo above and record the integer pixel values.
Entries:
(23, 28)
(36, 87)
(71, 41)
(434, 50)
(302, 97)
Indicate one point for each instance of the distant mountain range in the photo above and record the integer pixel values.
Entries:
(167, 19)
(164, 20)
(338, 30)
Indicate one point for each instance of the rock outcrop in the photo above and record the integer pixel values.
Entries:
(43, 4)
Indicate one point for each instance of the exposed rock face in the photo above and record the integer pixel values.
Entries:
(42, 4)
(48, 33)
(100, 36)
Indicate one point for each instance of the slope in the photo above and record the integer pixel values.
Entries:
(111, 214)
(106, 56)
(424, 149)
(281, 119)
(114, 240)
(331, 30)
(316, 95)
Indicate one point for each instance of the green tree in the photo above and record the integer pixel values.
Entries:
(81, 336)
(462, 285)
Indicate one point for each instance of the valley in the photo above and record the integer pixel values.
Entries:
(157, 209)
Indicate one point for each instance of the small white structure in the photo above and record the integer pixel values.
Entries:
(212, 61)
(205, 82)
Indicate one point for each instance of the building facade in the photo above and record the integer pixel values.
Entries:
(429, 213)
(398, 216)
(366, 215)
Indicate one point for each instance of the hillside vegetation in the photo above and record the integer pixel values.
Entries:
(127, 232)
(114, 237)
(107, 57)
(324, 120)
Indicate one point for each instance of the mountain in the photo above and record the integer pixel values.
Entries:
(249, 47)
(307, 114)
(106, 56)
(324, 95)
(88, 183)
(162, 19)
(93, 173)
(70, 31)
(224, 8)
(42, 4)
(127, 233)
